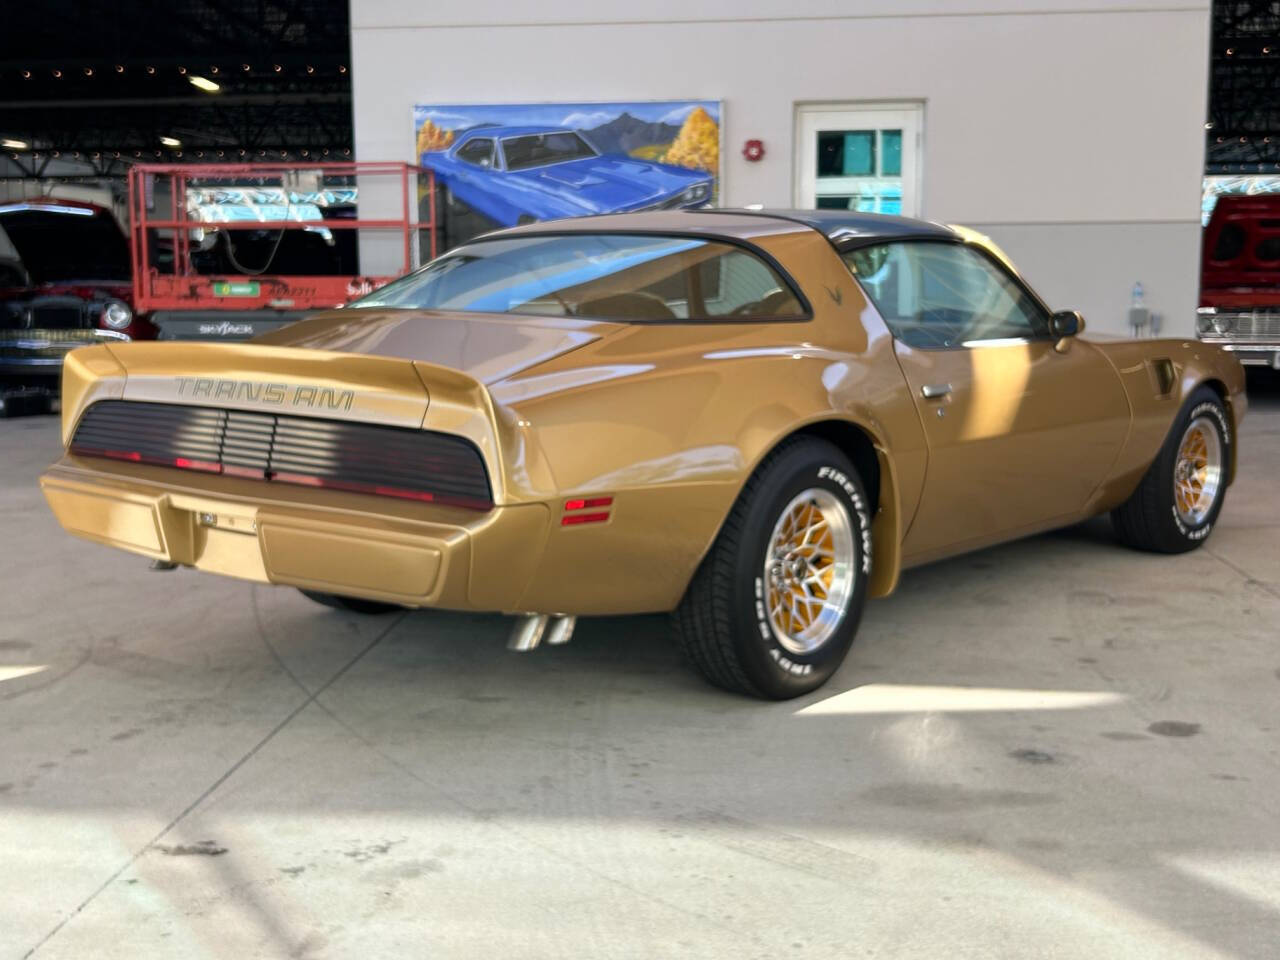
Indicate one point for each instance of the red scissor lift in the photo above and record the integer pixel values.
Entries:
(184, 299)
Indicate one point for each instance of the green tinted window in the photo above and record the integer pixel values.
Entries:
(891, 153)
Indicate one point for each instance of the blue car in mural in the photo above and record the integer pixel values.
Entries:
(515, 175)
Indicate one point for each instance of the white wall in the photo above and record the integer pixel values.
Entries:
(1071, 132)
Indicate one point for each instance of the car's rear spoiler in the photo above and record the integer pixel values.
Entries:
(288, 380)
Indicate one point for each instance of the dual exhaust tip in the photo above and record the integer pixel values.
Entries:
(532, 629)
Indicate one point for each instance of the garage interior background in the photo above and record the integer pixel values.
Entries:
(1087, 168)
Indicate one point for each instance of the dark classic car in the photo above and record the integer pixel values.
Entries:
(64, 283)
(515, 175)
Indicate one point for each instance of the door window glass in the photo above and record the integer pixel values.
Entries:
(891, 153)
(939, 295)
(477, 152)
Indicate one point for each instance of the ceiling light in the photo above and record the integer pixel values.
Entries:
(204, 83)
(14, 144)
(171, 141)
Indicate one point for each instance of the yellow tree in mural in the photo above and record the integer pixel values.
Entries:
(431, 137)
(697, 145)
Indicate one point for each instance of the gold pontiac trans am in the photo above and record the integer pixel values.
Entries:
(751, 419)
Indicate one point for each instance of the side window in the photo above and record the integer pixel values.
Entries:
(477, 152)
(740, 284)
(939, 295)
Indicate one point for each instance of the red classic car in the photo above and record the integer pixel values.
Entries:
(64, 283)
(1240, 279)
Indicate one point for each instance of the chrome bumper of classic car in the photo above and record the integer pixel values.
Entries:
(1253, 336)
(333, 544)
(692, 198)
(37, 352)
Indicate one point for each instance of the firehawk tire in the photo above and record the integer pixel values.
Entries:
(773, 608)
(352, 604)
(1179, 499)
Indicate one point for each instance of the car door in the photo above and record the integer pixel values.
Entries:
(1021, 429)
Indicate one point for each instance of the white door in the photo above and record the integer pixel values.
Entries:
(863, 157)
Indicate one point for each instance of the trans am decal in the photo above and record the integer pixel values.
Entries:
(507, 164)
(273, 394)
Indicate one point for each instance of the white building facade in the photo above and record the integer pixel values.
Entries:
(1070, 132)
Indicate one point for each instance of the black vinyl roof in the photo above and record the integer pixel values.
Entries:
(848, 228)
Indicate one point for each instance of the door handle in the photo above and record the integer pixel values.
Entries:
(932, 391)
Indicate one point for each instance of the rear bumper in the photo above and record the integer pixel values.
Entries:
(426, 562)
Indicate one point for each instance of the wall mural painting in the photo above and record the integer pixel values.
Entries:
(501, 165)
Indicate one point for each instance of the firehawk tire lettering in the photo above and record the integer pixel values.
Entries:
(1149, 519)
(859, 509)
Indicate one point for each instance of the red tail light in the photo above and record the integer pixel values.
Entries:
(408, 464)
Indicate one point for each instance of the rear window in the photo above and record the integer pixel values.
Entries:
(1230, 243)
(620, 277)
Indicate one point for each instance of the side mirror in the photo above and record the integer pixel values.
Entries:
(1066, 323)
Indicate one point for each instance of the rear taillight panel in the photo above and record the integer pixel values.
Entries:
(367, 458)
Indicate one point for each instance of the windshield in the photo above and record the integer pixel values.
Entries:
(80, 244)
(605, 276)
(541, 149)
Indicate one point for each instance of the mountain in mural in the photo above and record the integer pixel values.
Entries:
(625, 133)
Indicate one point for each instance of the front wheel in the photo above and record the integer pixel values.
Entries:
(1179, 499)
(773, 608)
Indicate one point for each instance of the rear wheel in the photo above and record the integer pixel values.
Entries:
(1178, 501)
(353, 604)
(774, 606)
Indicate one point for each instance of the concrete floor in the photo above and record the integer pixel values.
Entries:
(1056, 748)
